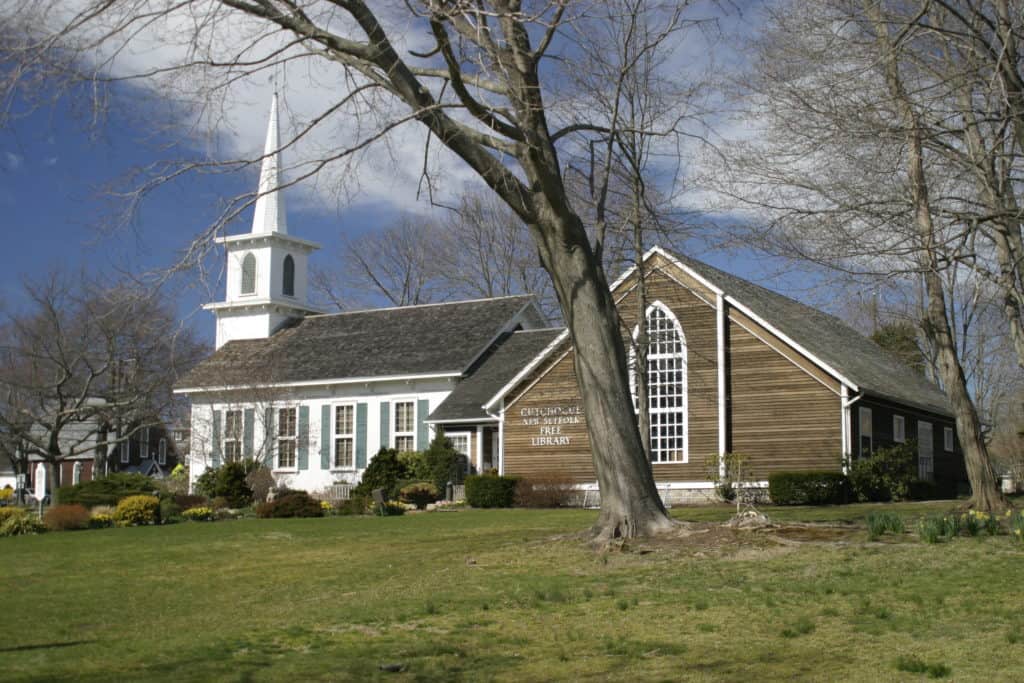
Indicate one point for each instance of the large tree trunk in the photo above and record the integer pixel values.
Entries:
(630, 504)
(985, 496)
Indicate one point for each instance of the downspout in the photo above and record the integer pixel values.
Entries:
(847, 424)
(500, 417)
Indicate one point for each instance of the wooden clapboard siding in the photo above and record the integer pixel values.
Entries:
(782, 418)
(556, 386)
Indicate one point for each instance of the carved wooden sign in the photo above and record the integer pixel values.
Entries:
(549, 421)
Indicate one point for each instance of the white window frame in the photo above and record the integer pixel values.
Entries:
(161, 452)
(685, 408)
(925, 463)
(278, 438)
(125, 451)
(947, 439)
(899, 428)
(394, 433)
(861, 433)
(144, 444)
(468, 436)
(236, 440)
(336, 436)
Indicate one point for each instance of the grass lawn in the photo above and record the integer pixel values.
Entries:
(505, 595)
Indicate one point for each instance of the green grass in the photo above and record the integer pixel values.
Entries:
(502, 595)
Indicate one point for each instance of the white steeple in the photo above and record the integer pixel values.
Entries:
(270, 213)
(267, 269)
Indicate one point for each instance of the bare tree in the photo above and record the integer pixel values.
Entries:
(481, 87)
(846, 171)
(85, 368)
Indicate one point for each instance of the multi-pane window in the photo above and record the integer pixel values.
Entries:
(162, 452)
(666, 385)
(866, 441)
(947, 438)
(125, 450)
(344, 437)
(232, 435)
(925, 452)
(286, 432)
(460, 444)
(899, 429)
(405, 425)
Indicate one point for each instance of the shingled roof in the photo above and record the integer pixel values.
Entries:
(832, 341)
(385, 342)
(492, 373)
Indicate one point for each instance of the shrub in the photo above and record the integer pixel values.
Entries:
(199, 514)
(66, 518)
(227, 481)
(393, 509)
(6, 493)
(545, 491)
(383, 472)
(185, 501)
(292, 504)
(102, 520)
(20, 522)
(356, 505)
(178, 481)
(260, 482)
(882, 522)
(108, 490)
(135, 510)
(491, 491)
(889, 474)
(442, 463)
(169, 511)
(808, 488)
(1016, 524)
(935, 528)
(415, 465)
(220, 503)
(419, 494)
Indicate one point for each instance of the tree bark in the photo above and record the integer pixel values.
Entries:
(984, 493)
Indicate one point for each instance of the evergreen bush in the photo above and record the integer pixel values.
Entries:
(491, 491)
(135, 510)
(227, 481)
(420, 494)
(442, 463)
(108, 490)
(808, 488)
(887, 475)
(383, 471)
(293, 504)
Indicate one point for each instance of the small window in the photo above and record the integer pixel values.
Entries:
(899, 429)
(344, 437)
(286, 432)
(125, 452)
(460, 444)
(405, 424)
(249, 274)
(232, 435)
(144, 451)
(866, 436)
(162, 452)
(947, 439)
(288, 276)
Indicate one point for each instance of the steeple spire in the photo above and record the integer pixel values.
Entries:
(270, 213)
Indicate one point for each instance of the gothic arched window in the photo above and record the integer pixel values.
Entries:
(666, 385)
(249, 274)
(288, 280)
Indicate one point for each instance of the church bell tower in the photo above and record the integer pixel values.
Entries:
(267, 269)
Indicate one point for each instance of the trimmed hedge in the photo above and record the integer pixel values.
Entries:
(808, 488)
(491, 491)
(108, 490)
(292, 504)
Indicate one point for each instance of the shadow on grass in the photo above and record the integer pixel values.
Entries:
(45, 646)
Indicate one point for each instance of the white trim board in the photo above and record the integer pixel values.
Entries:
(317, 382)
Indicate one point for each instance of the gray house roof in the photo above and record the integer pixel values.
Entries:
(386, 342)
(491, 374)
(832, 341)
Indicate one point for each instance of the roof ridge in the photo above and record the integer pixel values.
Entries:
(437, 303)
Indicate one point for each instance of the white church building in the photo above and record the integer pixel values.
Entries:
(315, 395)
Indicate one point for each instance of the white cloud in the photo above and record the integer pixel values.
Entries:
(13, 160)
(50, 161)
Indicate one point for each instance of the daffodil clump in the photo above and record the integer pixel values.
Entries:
(1016, 521)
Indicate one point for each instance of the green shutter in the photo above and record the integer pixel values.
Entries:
(325, 437)
(248, 428)
(421, 424)
(215, 448)
(303, 447)
(268, 437)
(385, 424)
(360, 436)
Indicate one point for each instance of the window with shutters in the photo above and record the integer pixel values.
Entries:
(344, 437)
(947, 439)
(288, 276)
(249, 274)
(866, 443)
(925, 453)
(899, 429)
(162, 452)
(232, 436)
(286, 435)
(667, 395)
(404, 437)
(125, 450)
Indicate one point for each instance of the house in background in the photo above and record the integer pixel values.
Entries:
(733, 368)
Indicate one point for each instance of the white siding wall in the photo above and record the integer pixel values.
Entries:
(314, 478)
